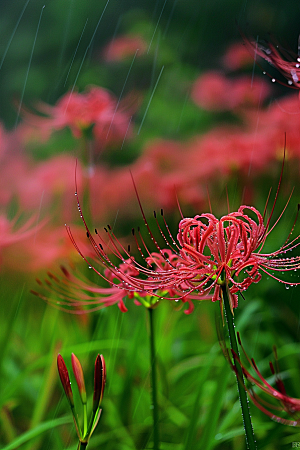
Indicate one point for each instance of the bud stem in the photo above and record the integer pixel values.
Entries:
(85, 420)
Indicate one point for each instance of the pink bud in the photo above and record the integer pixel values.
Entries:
(78, 372)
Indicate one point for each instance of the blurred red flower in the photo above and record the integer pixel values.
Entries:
(237, 56)
(213, 91)
(95, 109)
(123, 47)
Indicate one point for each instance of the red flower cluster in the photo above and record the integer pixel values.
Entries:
(207, 254)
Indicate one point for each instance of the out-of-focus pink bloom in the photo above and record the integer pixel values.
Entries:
(282, 117)
(213, 91)
(13, 234)
(110, 191)
(284, 403)
(10, 233)
(225, 150)
(50, 185)
(43, 250)
(96, 107)
(13, 164)
(123, 47)
(237, 56)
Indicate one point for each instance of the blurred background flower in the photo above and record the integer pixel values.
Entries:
(168, 92)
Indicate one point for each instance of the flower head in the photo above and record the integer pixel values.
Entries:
(284, 403)
(285, 61)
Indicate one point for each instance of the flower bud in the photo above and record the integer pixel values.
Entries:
(78, 372)
(65, 380)
(99, 381)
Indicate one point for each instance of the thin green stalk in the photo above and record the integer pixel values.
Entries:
(85, 420)
(82, 445)
(153, 382)
(250, 440)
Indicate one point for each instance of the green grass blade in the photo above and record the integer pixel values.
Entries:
(37, 431)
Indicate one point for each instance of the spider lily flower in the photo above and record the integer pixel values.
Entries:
(285, 61)
(207, 254)
(76, 294)
(99, 385)
(284, 403)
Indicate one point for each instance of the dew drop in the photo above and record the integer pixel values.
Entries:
(273, 80)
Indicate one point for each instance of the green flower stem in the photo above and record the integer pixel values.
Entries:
(85, 420)
(82, 445)
(250, 440)
(153, 382)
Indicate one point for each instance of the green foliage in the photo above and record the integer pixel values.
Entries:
(197, 393)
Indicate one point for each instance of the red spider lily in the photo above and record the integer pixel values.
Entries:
(207, 254)
(285, 403)
(286, 61)
(78, 295)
